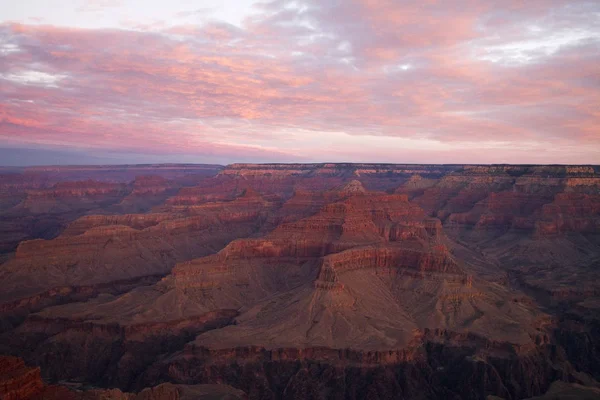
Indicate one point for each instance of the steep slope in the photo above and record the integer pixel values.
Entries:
(368, 272)
(38, 202)
(100, 249)
(327, 281)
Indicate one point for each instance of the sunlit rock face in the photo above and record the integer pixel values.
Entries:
(304, 280)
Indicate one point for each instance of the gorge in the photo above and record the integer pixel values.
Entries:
(300, 281)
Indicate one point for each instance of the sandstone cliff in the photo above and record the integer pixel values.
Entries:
(319, 280)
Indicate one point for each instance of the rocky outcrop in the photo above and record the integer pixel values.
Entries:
(437, 260)
(19, 382)
(352, 187)
(440, 363)
(108, 354)
(45, 211)
(570, 212)
(416, 186)
(71, 196)
(79, 189)
(16, 180)
(128, 246)
(500, 198)
(152, 184)
(38, 202)
(444, 366)
(147, 192)
(501, 211)
(13, 312)
(210, 191)
(135, 221)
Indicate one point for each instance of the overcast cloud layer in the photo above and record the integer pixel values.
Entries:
(452, 81)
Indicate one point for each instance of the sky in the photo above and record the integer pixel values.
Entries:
(222, 81)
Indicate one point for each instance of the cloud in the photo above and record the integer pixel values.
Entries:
(452, 75)
(202, 12)
(96, 6)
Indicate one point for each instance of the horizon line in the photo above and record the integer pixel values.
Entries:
(288, 163)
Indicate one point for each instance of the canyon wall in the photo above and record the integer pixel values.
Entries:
(318, 281)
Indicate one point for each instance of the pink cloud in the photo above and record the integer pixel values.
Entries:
(418, 70)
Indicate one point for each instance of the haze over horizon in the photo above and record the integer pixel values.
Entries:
(459, 81)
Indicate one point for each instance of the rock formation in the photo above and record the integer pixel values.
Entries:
(312, 281)
(20, 382)
(38, 202)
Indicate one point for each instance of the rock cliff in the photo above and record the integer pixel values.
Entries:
(309, 281)
(19, 382)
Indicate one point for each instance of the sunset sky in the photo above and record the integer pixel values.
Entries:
(221, 81)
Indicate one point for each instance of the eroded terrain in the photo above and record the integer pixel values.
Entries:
(306, 280)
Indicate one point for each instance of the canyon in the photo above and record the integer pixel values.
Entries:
(300, 281)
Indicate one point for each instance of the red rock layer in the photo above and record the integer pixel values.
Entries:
(570, 212)
(17, 381)
(422, 260)
(392, 280)
(129, 246)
